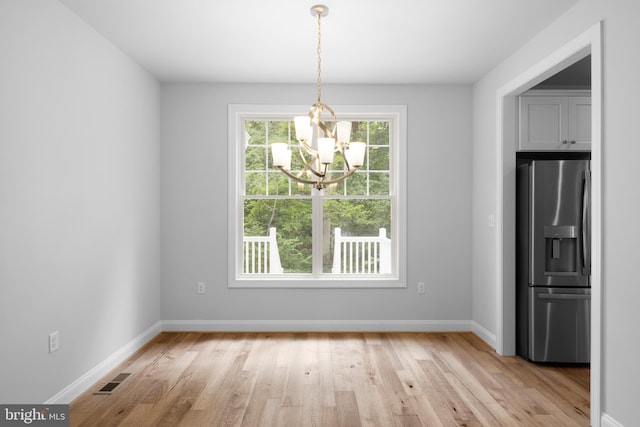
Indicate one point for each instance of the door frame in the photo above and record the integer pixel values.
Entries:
(589, 42)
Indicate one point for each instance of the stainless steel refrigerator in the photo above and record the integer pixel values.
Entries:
(553, 269)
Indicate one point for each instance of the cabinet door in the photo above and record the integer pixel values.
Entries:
(543, 122)
(580, 122)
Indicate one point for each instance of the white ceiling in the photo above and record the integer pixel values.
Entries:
(363, 41)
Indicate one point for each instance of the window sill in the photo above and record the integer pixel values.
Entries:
(345, 282)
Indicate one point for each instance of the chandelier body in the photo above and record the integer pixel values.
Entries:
(320, 139)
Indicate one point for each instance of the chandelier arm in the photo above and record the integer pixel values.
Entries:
(308, 164)
(317, 183)
(310, 168)
(341, 178)
(309, 149)
(344, 157)
(296, 178)
(315, 114)
(324, 106)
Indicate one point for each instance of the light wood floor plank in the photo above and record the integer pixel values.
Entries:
(322, 379)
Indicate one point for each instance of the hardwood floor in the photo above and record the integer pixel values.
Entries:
(333, 379)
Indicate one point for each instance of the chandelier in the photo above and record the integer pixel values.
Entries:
(320, 137)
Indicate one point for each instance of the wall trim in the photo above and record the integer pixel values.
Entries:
(590, 41)
(484, 334)
(94, 375)
(318, 325)
(607, 421)
(396, 114)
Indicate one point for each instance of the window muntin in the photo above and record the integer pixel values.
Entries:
(304, 218)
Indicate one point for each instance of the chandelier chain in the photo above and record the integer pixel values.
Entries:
(319, 50)
(320, 141)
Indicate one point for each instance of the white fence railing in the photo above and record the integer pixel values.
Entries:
(261, 254)
(361, 254)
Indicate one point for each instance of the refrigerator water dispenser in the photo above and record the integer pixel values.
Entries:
(561, 250)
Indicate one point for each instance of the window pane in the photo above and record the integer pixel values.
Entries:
(379, 183)
(278, 184)
(278, 131)
(282, 185)
(255, 183)
(379, 158)
(359, 131)
(360, 221)
(357, 184)
(336, 189)
(292, 220)
(379, 133)
(256, 131)
(255, 158)
(300, 189)
(338, 164)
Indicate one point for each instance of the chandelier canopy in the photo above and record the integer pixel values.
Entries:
(320, 136)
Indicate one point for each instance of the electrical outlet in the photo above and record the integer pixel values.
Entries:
(421, 288)
(54, 341)
(201, 287)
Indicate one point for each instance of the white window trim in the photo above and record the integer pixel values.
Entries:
(237, 113)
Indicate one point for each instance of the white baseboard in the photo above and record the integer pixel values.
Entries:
(318, 325)
(94, 375)
(607, 421)
(484, 334)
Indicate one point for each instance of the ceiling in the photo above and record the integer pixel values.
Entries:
(363, 41)
(575, 76)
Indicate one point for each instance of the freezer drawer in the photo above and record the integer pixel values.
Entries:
(559, 325)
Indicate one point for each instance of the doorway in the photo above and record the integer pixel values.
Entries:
(588, 43)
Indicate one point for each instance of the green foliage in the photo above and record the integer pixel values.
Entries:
(358, 217)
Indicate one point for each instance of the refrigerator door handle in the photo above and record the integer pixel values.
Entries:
(564, 296)
(531, 205)
(586, 224)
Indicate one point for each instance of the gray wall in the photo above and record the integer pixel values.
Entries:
(621, 293)
(194, 213)
(79, 195)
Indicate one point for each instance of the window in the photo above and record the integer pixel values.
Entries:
(284, 234)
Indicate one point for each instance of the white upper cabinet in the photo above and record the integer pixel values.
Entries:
(555, 120)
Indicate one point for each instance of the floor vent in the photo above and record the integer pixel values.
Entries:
(109, 387)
